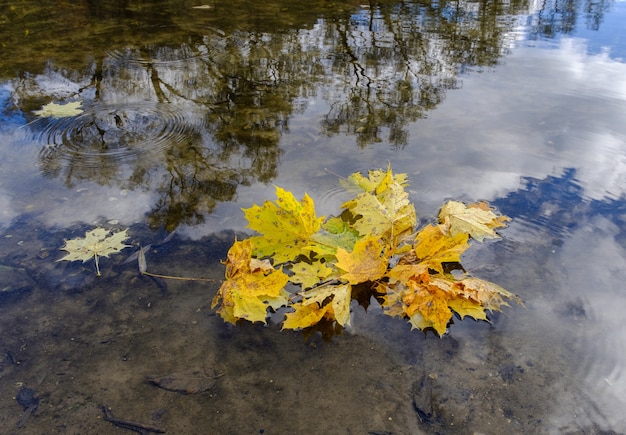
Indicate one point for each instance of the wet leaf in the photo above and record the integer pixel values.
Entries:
(310, 274)
(141, 261)
(477, 219)
(250, 287)
(304, 316)
(369, 250)
(434, 247)
(384, 207)
(54, 110)
(96, 243)
(365, 263)
(286, 226)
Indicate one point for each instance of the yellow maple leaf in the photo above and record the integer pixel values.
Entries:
(384, 207)
(404, 273)
(250, 288)
(433, 247)
(376, 181)
(467, 307)
(286, 226)
(431, 302)
(488, 294)
(477, 219)
(304, 316)
(330, 300)
(96, 243)
(310, 274)
(366, 262)
(335, 233)
(341, 303)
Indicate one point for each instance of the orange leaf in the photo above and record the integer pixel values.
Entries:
(364, 263)
(433, 247)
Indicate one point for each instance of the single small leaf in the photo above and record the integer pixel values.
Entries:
(54, 110)
(341, 304)
(141, 261)
(96, 243)
(190, 381)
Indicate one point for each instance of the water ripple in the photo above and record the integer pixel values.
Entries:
(111, 133)
(170, 57)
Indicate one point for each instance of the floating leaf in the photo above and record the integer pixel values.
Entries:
(54, 110)
(371, 249)
(96, 243)
(434, 247)
(477, 219)
(250, 288)
(310, 274)
(286, 226)
(304, 316)
(365, 263)
(384, 208)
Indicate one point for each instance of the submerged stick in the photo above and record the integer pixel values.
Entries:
(143, 269)
(130, 425)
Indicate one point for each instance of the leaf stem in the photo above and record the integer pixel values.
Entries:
(180, 278)
(95, 256)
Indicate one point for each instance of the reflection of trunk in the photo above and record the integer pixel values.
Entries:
(156, 84)
(97, 78)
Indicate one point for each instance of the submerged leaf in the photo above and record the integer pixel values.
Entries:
(141, 260)
(96, 243)
(191, 381)
(54, 110)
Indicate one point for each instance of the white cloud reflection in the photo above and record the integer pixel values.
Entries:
(543, 110)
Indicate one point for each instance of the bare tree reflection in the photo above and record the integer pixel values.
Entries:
(191, 105)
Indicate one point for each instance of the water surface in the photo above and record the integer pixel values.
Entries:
(191, 113)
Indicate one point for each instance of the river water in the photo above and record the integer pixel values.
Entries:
(190, 111)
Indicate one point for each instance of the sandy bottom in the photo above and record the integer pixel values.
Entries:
(83, 342)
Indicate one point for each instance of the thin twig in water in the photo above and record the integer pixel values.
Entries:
(130, 425)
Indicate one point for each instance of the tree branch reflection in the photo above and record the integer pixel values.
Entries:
(190, 105)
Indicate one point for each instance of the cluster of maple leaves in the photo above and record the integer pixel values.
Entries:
(373, 242)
